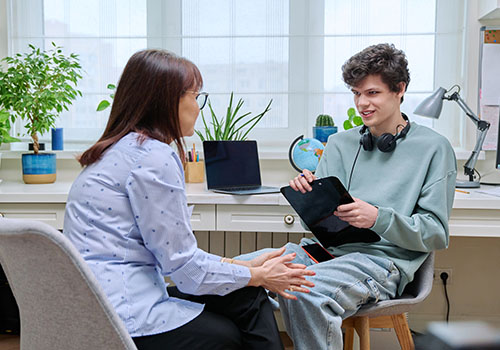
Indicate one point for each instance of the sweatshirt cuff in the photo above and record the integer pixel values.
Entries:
(383, 220)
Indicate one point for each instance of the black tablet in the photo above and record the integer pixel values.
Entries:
(316, 209)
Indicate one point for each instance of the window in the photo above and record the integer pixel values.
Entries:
(290, 51)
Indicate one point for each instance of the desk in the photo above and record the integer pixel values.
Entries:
(473, 215)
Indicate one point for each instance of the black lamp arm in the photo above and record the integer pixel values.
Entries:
(482, 127)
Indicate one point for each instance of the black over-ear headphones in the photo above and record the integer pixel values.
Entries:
(386, 142)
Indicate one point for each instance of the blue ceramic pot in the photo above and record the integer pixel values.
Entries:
(39, 168)
(321, 133)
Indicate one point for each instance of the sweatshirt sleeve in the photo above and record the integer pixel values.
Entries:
(427, 228)
(158, 200)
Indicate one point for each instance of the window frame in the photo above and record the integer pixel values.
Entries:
(306, 64)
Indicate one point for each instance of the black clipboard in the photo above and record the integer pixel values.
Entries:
(316, 209)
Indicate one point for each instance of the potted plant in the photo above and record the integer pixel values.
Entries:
(324, 128)
(5, 130)
(36, 87)
(352, 119)
(232, 127)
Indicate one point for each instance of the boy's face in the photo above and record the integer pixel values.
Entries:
(378, 106)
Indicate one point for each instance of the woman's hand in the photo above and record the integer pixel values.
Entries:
(279, 274)
(301, 181)
(359, 214)
(261, 259)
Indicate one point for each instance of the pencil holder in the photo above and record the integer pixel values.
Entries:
(194, 171)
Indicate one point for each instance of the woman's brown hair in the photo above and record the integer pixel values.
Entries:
(147, 101)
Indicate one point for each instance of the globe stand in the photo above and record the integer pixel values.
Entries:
(314, 146)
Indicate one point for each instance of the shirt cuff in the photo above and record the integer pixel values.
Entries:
(213, 257)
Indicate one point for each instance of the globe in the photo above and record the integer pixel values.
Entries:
(305, 153)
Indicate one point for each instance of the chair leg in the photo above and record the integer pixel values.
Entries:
(362, 325)
(349, 338)
(403, 332)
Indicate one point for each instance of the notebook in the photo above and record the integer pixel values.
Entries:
(233, 167)
(316, 209)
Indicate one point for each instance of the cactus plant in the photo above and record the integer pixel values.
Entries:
(324, 120)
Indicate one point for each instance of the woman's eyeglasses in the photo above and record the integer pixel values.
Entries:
(201, 98)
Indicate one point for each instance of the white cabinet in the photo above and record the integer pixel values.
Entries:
(257, 218)
(203, 218)
(473, 222)
(50, 213)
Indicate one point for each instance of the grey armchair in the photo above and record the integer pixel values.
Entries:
(391, 313)
(60, 302)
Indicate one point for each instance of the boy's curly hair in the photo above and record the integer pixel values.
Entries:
(381, 59)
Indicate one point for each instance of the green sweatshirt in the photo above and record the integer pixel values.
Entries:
(413, 188)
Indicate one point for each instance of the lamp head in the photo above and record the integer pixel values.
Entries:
(432, 105)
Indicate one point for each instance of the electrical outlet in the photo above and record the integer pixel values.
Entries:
(437, 274)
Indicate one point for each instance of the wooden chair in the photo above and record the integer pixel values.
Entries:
(391, 313)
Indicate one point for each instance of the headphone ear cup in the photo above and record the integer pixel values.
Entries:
(386, 142)
(367, 141)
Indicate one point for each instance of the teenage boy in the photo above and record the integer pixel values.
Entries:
(402, 177)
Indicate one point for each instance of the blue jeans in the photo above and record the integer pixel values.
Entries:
(342, 286)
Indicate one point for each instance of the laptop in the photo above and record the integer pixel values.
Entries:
(233, 167)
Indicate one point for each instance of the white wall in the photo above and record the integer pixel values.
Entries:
(471, 65)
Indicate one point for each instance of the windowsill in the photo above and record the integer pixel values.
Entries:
(264, 154)
(59, 154)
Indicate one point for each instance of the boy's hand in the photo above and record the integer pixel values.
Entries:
(358, 214)
(301, 181)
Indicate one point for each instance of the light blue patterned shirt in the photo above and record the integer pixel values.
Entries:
(127, 215)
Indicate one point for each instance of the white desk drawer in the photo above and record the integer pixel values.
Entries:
(50, 213)
(203, 218)
(257, 218)
(474, 223)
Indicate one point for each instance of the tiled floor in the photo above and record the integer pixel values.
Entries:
(11, 342)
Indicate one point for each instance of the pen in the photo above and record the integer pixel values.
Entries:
(194, 154)
(461, 191)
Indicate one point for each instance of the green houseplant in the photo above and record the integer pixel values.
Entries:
(325, 127)
(105, 103)
(352, 119)
(5, 120)
(232, 126)
(36, 87)
(5, 130)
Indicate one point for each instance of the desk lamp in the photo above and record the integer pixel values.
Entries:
(431, 107)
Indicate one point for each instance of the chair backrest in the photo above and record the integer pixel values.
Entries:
(60, 302)
(421, 285)
(415, 292)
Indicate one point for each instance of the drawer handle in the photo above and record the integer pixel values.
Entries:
(289, 219)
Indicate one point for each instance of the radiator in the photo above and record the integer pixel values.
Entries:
(230, 243)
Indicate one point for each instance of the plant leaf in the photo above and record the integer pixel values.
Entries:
(347, 125)
(103, 105)
(357, 120)
(351, 112)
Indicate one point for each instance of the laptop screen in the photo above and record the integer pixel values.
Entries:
(231, 164)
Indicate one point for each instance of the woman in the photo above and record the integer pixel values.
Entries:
(127, 214)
